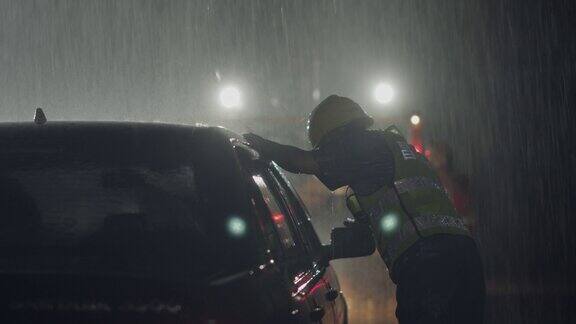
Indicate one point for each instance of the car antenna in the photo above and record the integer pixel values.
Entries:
(39, 117)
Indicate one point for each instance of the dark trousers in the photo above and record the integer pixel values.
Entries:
(440, 280)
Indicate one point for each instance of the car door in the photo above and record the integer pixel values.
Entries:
(332, 293)
(308, 279)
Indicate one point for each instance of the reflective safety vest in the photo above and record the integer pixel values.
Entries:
(416, 205)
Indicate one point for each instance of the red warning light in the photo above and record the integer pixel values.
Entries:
(415, 129)
(418, 147)
(278, 218)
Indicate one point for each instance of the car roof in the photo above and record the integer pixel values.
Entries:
(122, 139)
(78, 130)
(109, 126)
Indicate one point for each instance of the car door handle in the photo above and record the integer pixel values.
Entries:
(317, 314)
(332, 294)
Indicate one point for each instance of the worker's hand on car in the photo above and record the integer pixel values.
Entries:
(348, 222)
(256, 142)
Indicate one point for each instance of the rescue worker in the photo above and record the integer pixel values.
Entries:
(428, 251)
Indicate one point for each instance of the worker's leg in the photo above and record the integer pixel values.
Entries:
(426, 289)
(433, 283)
(472, 293)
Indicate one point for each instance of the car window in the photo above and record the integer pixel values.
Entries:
(88, 206)
(276, 213)
(279, 212)
(298, 211)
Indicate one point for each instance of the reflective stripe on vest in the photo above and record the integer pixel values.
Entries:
(414, 183)
(424, 222)
(408, 184)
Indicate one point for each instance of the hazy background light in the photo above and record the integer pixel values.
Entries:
(415, 120)
(383, 93)
(316, 94)
(275, 102)
(230, 97)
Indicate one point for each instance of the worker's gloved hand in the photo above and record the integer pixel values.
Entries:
(351, 222)
(255, 141)
(260, 144)
(348, 222)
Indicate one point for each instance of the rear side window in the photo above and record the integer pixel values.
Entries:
(299, 213)
(85, 218)
(71, 203)
(130, 202)
(278, 218)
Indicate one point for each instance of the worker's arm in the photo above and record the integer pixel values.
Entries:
(288, 157)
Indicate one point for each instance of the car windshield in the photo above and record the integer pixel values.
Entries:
(73, 209)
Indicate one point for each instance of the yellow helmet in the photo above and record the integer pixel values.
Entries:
(332, 113)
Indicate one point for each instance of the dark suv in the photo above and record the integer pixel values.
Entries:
(130, 222)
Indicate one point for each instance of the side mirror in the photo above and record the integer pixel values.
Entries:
(350, 242)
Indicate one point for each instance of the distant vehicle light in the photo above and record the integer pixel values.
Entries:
(230, 97)
(415, 120)
(383, 93)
